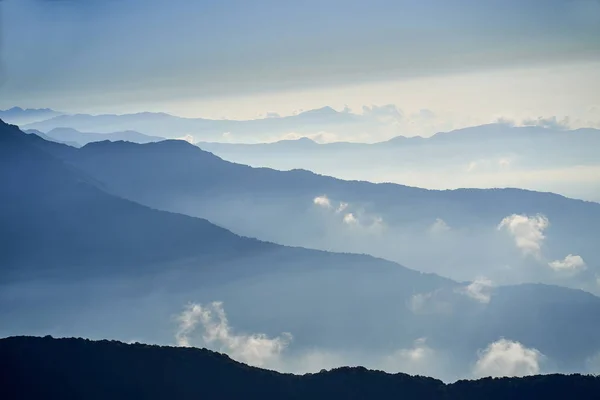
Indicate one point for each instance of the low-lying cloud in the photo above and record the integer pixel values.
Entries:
(507, 358)
(351, 215)
(569, 263)
(479, 290)
(254, 349)
(350, 219)
(208, 326)
(322, 201)
(528, 232)
(442, 301)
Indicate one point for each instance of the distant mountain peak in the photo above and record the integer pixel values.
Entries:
(182, 146)
(63, 129)
(20, 110)
(300, 140)
(305, 140)
(327, 110)
(152, 114)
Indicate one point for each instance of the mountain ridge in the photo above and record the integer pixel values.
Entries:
(107, 251)
(75, 367)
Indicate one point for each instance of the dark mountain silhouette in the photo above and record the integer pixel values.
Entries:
(34, 368)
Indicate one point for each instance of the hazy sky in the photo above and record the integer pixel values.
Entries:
(462, 59)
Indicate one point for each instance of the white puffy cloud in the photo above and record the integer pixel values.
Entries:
(322, 201)
(479, 290)
(570, 263)
(439, 226)
(528, 232)
(507, 358)
(254, 349)
(350, 219)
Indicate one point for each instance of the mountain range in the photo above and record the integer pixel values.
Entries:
(477, 141)
(170, 126)
(67, 234)
(78, 368)
(20, 116)
(75, 138)
(495, 155)
(456, 233)
(546, 157)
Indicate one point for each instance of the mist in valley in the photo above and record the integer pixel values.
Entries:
(220, 176)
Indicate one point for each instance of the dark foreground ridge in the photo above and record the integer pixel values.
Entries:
(48, 368)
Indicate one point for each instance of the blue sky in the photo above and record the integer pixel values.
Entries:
(182, 55)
